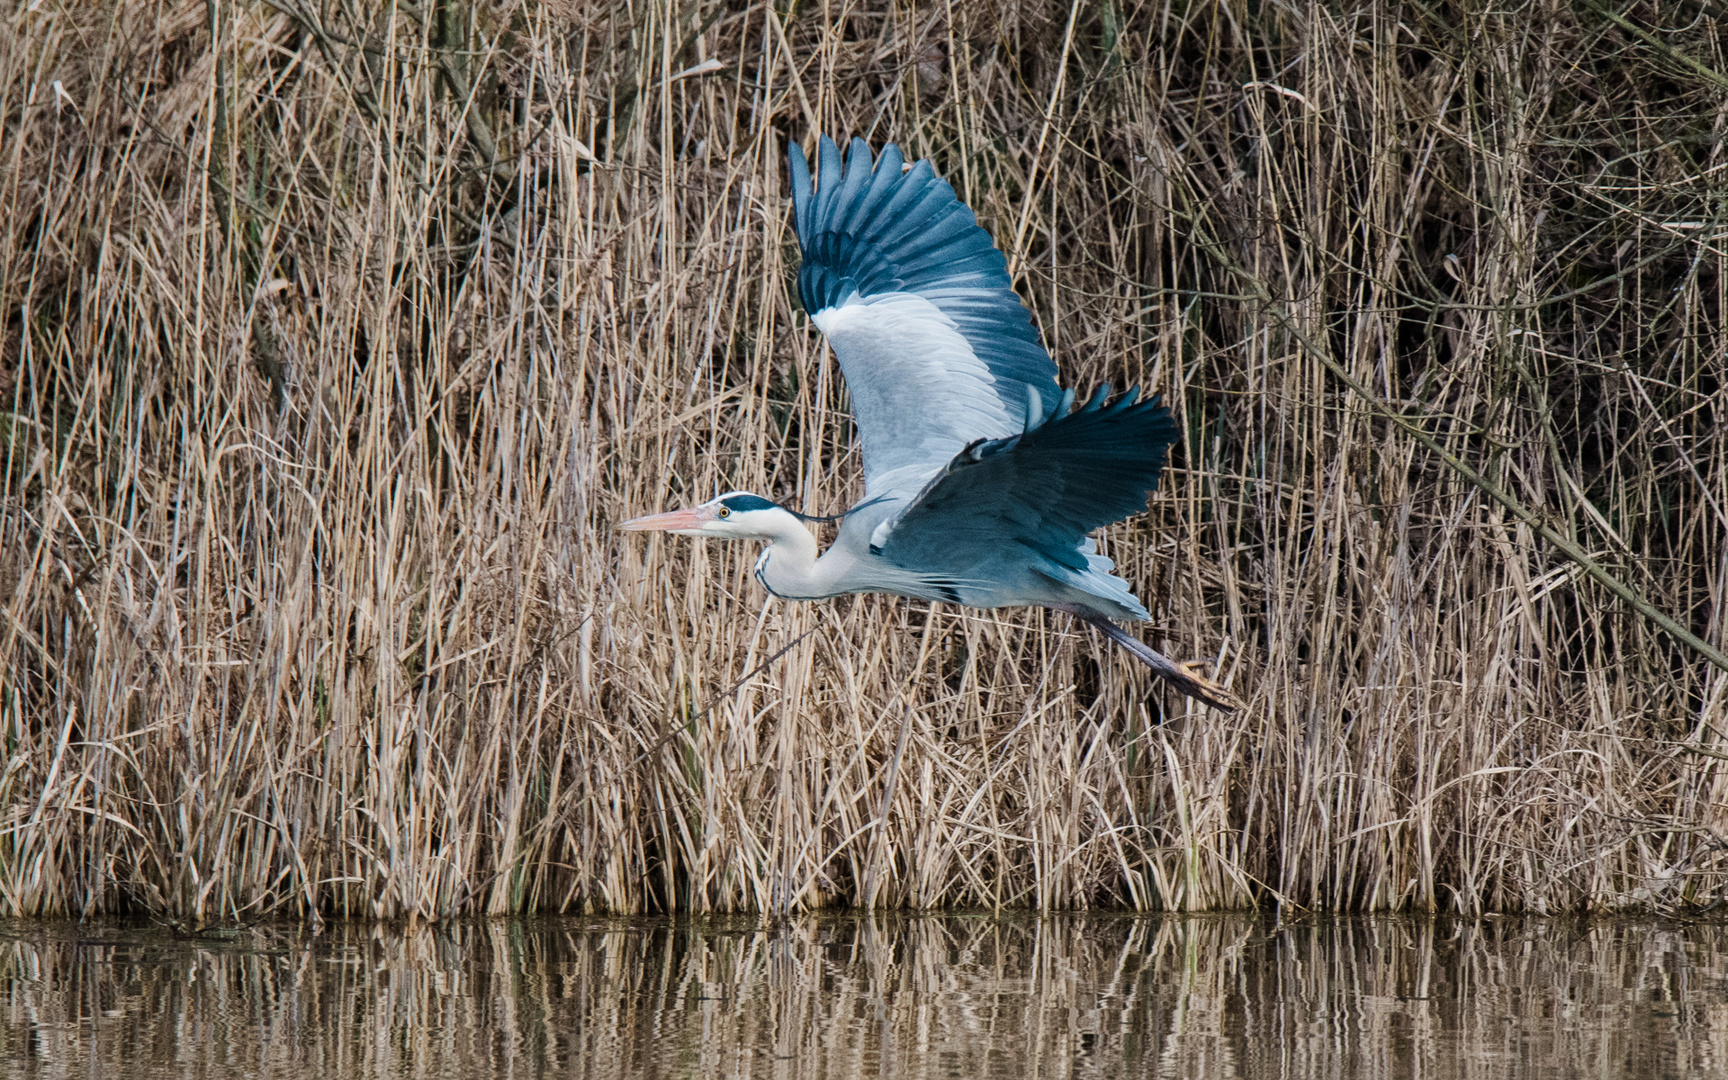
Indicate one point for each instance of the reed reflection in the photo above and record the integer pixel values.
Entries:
(953, 995)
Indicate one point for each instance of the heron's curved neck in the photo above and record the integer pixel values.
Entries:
(788, 567)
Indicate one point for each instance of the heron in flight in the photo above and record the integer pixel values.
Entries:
(982, 480)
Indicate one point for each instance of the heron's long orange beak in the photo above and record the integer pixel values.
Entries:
(672, 521)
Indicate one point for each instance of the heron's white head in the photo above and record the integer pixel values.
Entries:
(736, 515)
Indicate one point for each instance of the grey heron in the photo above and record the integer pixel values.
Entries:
(982, 481)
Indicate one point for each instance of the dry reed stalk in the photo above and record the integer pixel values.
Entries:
(332, 349)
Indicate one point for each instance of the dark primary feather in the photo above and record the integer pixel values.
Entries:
(1044, 490)
(872, 229)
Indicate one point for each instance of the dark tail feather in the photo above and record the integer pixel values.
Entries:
(1181, 676)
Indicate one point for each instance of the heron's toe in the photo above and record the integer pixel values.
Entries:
(1203, 686)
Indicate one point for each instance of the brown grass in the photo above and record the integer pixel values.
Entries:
(332, 351)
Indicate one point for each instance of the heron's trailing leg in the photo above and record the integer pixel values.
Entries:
(1184, 676)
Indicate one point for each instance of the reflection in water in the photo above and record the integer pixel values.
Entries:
(939, 996)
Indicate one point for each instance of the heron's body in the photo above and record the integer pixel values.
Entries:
(879, 550)
(981, 487)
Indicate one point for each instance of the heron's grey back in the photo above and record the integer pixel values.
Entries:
(1029, 501)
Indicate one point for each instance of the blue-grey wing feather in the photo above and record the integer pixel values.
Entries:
(937, 349)
(1027, 502)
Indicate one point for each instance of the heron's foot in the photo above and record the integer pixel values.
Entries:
(1197, 684)
(1188, 676)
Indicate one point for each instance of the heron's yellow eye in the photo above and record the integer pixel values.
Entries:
(725, 512)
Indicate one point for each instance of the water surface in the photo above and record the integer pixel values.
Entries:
(912, 997)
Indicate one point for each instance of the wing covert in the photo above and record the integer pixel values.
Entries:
(1044, 490)
(936, 347)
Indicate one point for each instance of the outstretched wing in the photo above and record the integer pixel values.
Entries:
(1032, 498)
(937, 349)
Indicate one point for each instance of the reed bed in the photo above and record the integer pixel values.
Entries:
(337, 336)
